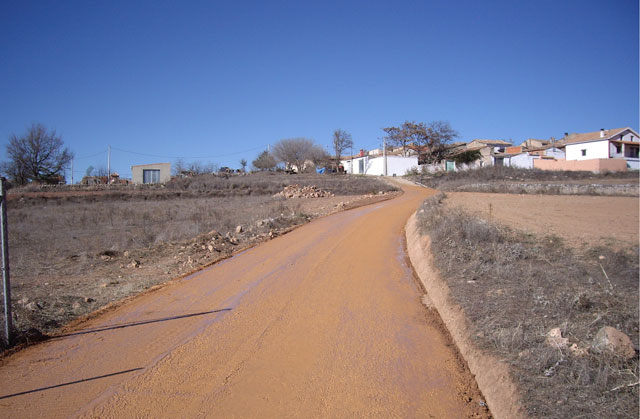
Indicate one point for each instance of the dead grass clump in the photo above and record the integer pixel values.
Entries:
(514, 288)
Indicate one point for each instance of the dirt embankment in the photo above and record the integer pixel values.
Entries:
(491, 375)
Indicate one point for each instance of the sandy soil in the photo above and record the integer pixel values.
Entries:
(325, 321)
(579, 220)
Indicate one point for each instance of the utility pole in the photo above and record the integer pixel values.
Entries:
(72, 171)
(5, 263)
(108, 164)
(384, 154)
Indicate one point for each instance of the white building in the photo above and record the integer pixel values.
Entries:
(525, 159)
(621, 143)
(374, 165)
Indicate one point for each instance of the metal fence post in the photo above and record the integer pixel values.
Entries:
(5, 262)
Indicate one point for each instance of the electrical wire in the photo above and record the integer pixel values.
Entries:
(91, 155)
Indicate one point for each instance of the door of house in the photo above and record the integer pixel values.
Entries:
(450, 166)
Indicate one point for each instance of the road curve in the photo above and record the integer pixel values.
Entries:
(325, 321)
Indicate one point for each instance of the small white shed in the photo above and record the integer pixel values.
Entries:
(151, 173)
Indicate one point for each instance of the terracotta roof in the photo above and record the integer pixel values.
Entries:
(591, 136)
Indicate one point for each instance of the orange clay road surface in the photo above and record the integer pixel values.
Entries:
(325, 321)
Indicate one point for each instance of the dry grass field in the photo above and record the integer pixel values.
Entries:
(74, 250)
(516, 286)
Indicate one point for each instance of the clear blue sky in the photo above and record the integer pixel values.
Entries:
(221, 80)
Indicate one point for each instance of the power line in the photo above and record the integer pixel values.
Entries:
(91, 155)
(187, 157)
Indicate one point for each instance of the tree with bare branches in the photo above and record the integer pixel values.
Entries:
(38, 155)
(294, 152)
(429, 140)
(341, 141)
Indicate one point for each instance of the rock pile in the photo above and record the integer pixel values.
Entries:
(297, 191)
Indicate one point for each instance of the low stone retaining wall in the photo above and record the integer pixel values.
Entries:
(629, 189)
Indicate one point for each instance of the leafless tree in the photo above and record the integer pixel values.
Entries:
(265, 161)
(243, 163)
(341, 141)
(38, 155)
(293, 152)
(430, 140)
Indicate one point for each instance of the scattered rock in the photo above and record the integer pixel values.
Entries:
(578, 351)
(610, 339)
(238, 229)
(297, 191)
(555, 339)
(126, 253)
(88, 300)
(24, 301)
(134, 264)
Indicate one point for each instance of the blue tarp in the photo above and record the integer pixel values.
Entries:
(320, 170)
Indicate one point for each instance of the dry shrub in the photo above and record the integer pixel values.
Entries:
(514, 288)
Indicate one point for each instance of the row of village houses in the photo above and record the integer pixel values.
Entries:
(598, 151)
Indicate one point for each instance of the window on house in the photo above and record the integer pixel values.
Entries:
(583, 151)
(151, 176)
(618, 148)
(632, 151)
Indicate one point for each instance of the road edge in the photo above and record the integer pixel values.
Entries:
(492, 376)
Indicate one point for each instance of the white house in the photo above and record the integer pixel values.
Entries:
(525, 159)
(374, 165)
(620, 143)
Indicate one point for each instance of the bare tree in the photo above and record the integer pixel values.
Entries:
(433, 146)
(265, 161)
(243, 163)
(430, 140)
(341, 141)
(293, 152)
(38, 155)
(398, 137)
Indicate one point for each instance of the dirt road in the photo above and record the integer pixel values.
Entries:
(325, 321)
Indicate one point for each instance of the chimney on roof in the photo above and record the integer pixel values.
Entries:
(601, 132)
(566, 134)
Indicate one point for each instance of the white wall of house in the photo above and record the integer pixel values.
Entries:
(522, 161)
(151, 173)
(555, 153)
(396, 165)
(587, 151)
(629, 136)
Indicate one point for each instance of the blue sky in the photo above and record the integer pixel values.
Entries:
(216, 81)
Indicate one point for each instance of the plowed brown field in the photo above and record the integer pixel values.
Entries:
(580, 220)
(325, 321)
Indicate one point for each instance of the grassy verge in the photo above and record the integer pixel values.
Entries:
(503, 179)
(514, 288)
